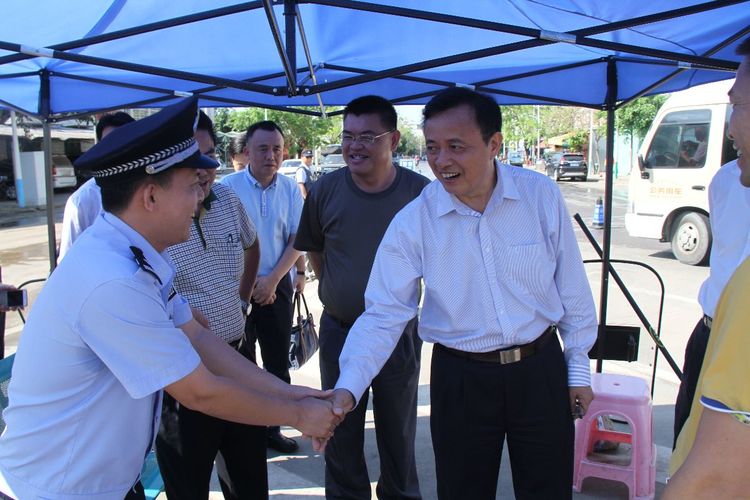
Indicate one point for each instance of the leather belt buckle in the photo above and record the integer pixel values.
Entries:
(708, 321)
(510, 356)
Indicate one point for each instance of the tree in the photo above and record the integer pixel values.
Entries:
(300, 131)
(635, 117)
(411, 140)
(579, 141)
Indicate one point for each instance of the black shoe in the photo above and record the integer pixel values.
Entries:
(281, 443)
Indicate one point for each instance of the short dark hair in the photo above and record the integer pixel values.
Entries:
(205, 123)
(486, 111)
(266, 125)
(237, 145)
(743, 49)
(112, 120)
(376, 105)
(117, 197)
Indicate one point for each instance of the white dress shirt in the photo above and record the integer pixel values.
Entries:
(81, 210)
(728, 202)
(491, 280)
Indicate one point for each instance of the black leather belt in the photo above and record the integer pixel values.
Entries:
(708, 321)
(509, 354)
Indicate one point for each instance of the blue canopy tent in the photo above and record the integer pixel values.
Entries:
(64, 59)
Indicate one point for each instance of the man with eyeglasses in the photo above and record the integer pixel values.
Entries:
(343, 220)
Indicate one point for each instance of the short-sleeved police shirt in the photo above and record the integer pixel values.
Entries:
(101, 342)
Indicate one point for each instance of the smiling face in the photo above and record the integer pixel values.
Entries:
(460, 158)
(739, 124)
(368, 160)
(265, 149)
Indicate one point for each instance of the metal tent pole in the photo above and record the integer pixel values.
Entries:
(608, 181)
(45, 112)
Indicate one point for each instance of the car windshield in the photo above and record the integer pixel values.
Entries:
(291, 163)
(333, 160)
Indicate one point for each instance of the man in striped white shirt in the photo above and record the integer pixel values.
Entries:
(502, 273)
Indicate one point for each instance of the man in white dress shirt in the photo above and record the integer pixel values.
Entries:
(502, 273)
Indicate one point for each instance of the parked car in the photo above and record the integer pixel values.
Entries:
(515, 158)
(567, 165)
(289, 167)
(332, 162)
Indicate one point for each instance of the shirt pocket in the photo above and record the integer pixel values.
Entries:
(529, 269)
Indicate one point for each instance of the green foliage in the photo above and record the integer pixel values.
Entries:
(520, 122)
(579, 141)
(300, 131)
(411, 140)
(635, 117)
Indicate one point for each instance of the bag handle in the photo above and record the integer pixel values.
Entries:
(296, 304)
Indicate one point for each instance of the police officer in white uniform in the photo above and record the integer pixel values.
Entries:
(108, 333)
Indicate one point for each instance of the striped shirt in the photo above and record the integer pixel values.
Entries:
(210, 264)
(491, 280)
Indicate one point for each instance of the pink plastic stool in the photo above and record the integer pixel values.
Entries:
(629, 398)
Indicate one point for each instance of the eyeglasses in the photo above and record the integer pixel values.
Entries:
(362, 138)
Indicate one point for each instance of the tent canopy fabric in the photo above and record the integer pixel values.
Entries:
(80, 56)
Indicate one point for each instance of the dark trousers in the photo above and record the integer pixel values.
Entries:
(394, 401)
(187, 443)
(476, 405)
(695, 350)
(271, 327)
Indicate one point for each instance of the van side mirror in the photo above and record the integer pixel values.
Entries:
(642, 164)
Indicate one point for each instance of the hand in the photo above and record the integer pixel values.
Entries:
(343, 403)
(581, 395)
(9, 288)
(299, 283)
(317, 418)
(298, 392)
(264, 291)
(342, 399)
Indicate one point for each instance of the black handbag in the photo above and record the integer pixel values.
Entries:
(304, 341)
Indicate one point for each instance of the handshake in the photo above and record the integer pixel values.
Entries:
(319, 412)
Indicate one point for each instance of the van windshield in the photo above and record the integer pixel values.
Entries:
(681, 141)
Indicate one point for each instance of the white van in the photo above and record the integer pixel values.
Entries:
(683, 149)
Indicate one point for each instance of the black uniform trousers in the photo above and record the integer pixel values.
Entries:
(476, 405)
(187, 444)
(271, 327)
(695, 350)
(394, 401)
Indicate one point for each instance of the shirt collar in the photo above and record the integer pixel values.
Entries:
(504, 188)
(255, 182)
(160, 263)
(208, 199)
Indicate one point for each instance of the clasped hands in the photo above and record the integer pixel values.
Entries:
(321, 413)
